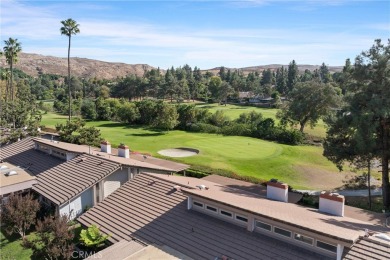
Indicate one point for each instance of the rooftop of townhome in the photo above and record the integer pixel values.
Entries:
(136, 160)
(22, 154)
(153, 209)
(14, 178)
(63, 182)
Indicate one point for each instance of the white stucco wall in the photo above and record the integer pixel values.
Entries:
(76, 206)
(114, 181)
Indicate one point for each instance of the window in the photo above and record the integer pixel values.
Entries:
(282, 232)
(304, 239)
(263, 225)
(241, 218)
(211, 208)
(198, 204)
(327, 246)
(226, 213)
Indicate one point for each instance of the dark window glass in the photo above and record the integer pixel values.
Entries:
(241, 218)
(198, 204)
(326, 246)
(226, 213)
(282, 232)
(263, 225)
(211, 208)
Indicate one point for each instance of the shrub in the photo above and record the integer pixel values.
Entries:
(204, 128)
(237, 129)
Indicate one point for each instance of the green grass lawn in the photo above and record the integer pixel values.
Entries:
(296, 165)
(11, 248)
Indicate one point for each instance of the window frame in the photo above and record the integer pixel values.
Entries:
(198, 206)
(262, 228)
(240, 216)
(302, 241)
(276, 227)
(327, 250)
(211, 210)
(226, 215)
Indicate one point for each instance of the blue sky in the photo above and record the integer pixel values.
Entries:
(200, 33)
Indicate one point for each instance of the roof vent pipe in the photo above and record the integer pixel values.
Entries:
(123, 151)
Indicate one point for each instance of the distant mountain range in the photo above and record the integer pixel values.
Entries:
(33, 64)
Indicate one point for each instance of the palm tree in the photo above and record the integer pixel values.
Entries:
(69, 27)
(11, 50)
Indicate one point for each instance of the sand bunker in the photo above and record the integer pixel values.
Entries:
(179, 152)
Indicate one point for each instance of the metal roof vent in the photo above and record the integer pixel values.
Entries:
(10, 173)
(202, 187)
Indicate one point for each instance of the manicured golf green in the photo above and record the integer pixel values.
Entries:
(296, 165)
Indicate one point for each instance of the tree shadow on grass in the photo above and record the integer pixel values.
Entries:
(147, 134)
(118, 124)
(8, 238)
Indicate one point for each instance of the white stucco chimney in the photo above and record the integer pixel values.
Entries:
(332, 203)
(105, 147)
(123, 151)
(277, 191)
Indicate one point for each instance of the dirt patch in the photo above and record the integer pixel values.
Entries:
(320, 179)
(179, 152)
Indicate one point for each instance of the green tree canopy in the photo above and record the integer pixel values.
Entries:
(363, 128)
(308, 102)
(19, 213)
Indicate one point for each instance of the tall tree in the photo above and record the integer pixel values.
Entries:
(292, 75)
(19, 213)
(12, 49)
(324, 73)
(368, 100)
(69, 28)
(281, 80)
(356, 144)
(308, 102)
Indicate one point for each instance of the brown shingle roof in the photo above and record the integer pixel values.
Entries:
(149, 209)
(63, 182)
(23, 154)
(368, 248)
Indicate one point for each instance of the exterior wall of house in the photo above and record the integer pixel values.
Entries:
(75, 207)
(70, 156)
(112, 182)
